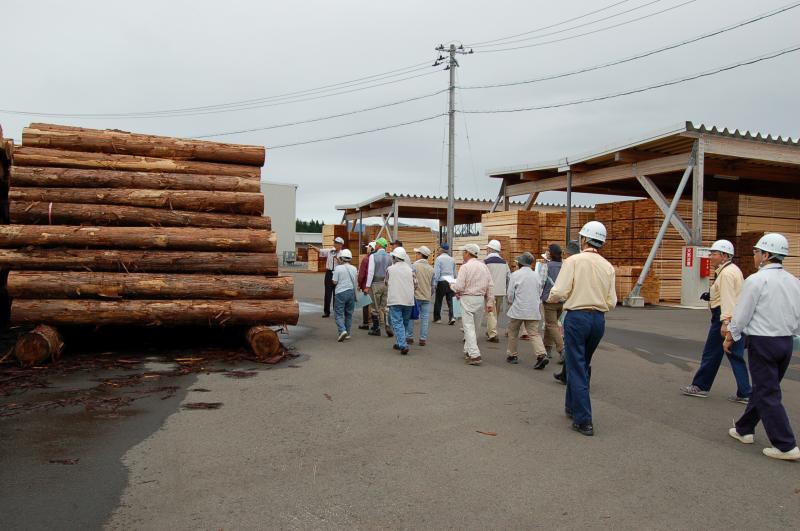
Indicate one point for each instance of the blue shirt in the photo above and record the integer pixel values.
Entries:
(443, 265)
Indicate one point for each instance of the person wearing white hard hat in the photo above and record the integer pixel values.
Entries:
(475, 291)
(400, 285)
(722, 298)
(330, 265)
(500, 275)
(586, 284)
(423, 271)
(344, 280)
(363, 271)
(768, 315)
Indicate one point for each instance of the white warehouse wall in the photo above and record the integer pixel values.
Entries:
(280, 205)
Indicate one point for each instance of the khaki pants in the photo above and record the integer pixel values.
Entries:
(533, 331)
(552, 332)
(491, 317)
(379, 292)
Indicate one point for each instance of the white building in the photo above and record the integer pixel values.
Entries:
(280, 205)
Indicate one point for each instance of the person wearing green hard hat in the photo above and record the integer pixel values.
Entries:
(375, 286)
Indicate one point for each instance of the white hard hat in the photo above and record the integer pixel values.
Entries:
(594, 230)
(723, 246)
(345, 254)
(338, 239)
(494, 245)
(371, 245)
(424, 251)
(399, 253)
(774, 244)
(472, 249)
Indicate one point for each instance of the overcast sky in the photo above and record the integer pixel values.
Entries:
(121, 57)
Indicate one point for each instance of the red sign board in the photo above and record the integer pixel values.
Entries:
(689, 258)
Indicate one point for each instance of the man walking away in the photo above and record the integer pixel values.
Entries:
(401, 284)
(586, 285)
(500, 273)
(424, 274)
(363, 269)
(330, 265)
(722, 299)
(344, 278)
(475, 291)
(768, 313)
(444, 265)
(379, 262)
(553, 340)
(523, 299)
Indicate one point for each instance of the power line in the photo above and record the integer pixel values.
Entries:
(322, 118)
(393, 126)
(642, 55)
(606, 28)
(615, 15)
(708, 73)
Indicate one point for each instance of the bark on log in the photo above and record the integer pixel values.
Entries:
(127, 216)
(264, 342)
(31, 259)
(31, 156)
(89, 285)
(193, 200)
(40, 344)
(81, 178)
(154, 312)
(125, 143)
(172, 238)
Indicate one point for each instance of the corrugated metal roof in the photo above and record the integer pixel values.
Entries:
(488, 202)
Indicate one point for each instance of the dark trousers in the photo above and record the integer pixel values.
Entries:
(583, 331)
(329, 287)
(712, 357)
(443, 291)
(365, 314)
(769, 359)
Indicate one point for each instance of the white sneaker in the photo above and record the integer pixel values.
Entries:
(342, 335)
(791, 455)
(746, 439)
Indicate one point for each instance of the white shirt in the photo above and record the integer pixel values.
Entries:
(343, 277)
(524, 294)
(330, 263)
(769, 305)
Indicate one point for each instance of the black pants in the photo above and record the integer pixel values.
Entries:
(329, 287)
(365, 314)
(443, 291)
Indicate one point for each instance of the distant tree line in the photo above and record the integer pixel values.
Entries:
(308, 226)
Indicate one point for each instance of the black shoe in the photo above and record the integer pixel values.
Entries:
(404, 351)
(494, 339)
(375, 332)
(364, 326)
(396, 346)
(541, 363)
(389, 333)
(568, 413)
(584, 429)
(560, 377)
(452, 322)
(512, 359)
(324, 315)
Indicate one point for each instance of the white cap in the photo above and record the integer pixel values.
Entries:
(424, 251)
(371, 245)
(594, 230)
(400, 253)
(494, 245)
(338, 239)
(774, 244)
(345, 254)
(723, 246)
(472, 249)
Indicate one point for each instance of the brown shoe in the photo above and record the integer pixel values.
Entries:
(422, 342)
(410, 341)
(494, 339)
(474, 361)
(525, 337)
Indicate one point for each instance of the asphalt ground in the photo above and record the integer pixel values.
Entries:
(354, 435)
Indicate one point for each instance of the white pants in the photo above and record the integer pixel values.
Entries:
(471, 314)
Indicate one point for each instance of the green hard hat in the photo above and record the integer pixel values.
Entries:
(382, 242)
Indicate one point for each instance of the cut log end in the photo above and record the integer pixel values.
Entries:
(264, 342)
(37, 346)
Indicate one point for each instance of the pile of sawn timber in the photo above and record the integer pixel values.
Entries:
(114, 228)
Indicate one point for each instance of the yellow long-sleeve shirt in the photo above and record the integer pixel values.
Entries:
(586, 282)
(725, 290)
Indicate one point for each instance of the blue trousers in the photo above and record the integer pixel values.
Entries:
(343, 305)
(712, 357)
(424, 322)
(399, 316)
(769, 359)
(583, 331)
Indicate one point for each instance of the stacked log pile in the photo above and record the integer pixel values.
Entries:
(110, 227)
(6, 148)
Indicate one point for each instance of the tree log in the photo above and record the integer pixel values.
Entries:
(264, 342)
(193, 200)
(154, 312)
(127, 216)
(40, 344)
(173, 238)
(31, 156)
(125, 143)
(139, 261)
(90, 285)
(80, 178)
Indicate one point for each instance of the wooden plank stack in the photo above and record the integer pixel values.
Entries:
(6, 149)
(412, 237)
(553, 226)
(517, 230)
(627, 276)
(117, 228)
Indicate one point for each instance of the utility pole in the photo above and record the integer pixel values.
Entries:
(452, 64)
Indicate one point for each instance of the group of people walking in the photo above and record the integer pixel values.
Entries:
(542, 298)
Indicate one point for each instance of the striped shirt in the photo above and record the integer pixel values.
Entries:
(474, 279)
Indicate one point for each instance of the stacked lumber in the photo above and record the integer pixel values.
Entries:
(553, 226)
(460, 242)
(627, 276)
(517, 230)
(117, 228)
(744, 254)
(317, 258)
(412, 237)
